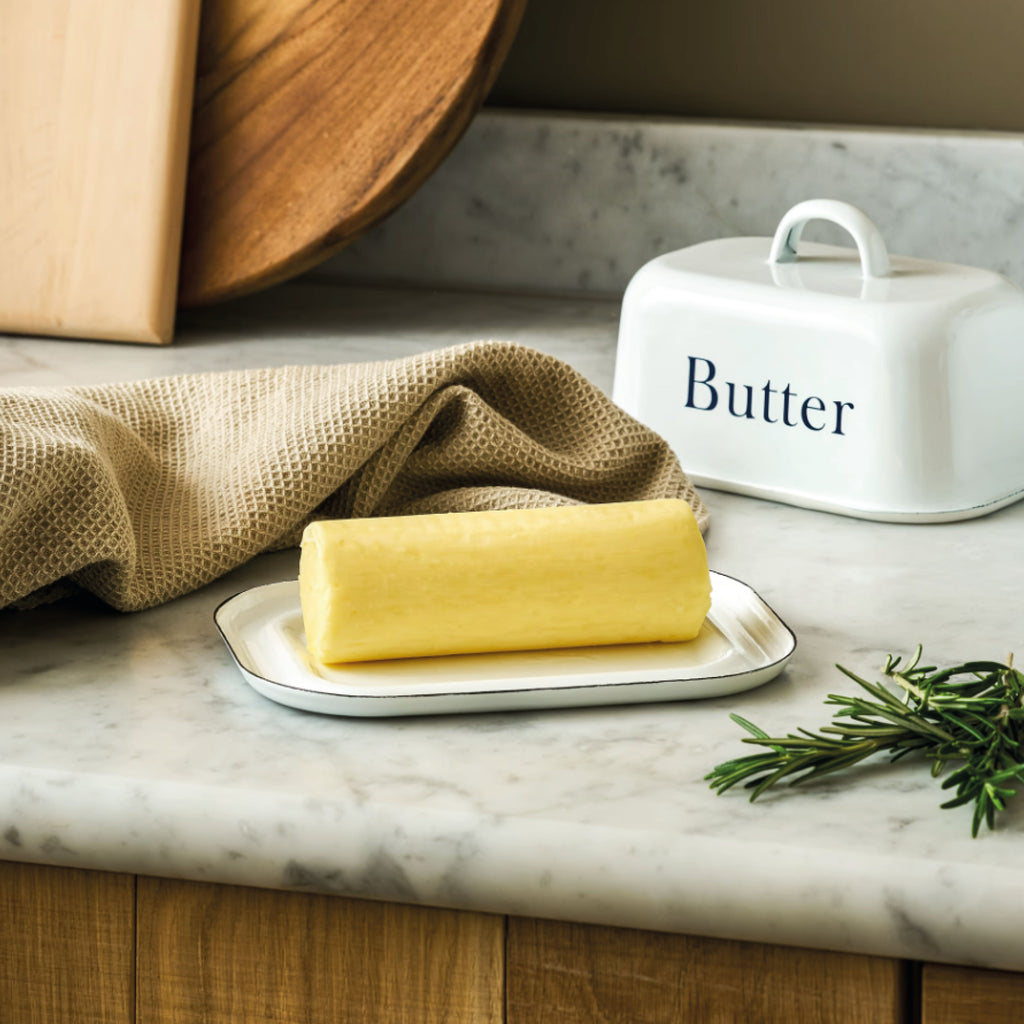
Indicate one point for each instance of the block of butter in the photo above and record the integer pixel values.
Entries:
(518, 579)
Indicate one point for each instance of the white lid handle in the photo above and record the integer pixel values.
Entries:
(874, 257)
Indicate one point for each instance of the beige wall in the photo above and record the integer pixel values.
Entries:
(917, 63)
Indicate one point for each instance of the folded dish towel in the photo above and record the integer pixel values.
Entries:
(143, 491)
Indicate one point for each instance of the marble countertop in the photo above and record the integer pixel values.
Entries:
(132, 743)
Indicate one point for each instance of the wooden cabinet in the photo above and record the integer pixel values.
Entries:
(87, 947)
(219, 954)
(578, 974)
(66, 946)
(967, 995)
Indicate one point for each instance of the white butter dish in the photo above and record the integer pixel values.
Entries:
(839, 379)
(742, 644)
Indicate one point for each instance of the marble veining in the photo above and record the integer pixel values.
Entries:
(574, 203)
(132, 743)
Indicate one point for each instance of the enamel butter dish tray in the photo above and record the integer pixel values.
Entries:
(742, 644)
(840, 379)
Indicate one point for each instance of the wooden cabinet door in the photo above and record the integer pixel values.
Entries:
(218, 954)
(582, 974)
(967, 995)
(67, 951)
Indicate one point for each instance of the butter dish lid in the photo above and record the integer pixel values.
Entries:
(735, 349)
(867, 273)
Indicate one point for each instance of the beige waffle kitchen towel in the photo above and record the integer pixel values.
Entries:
(143, 491)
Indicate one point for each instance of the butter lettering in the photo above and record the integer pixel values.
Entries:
(702, 395)
(815, 403)
(768, 392)
(787, 394)
(747, 413)
(840, 406)
(705, 381)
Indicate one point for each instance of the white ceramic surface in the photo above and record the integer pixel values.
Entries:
(742, 644)
(834, 378)
(129, 742)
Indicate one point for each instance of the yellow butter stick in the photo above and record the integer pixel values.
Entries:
(462, 582)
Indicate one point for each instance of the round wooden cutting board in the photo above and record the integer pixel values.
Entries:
(313, 119)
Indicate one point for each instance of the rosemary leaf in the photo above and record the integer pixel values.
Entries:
(971, 714)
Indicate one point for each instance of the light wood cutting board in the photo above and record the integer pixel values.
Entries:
(94, 113)
(313, 119)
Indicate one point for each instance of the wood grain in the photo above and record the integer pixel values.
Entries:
(314, 119)
(965, 995)
(94, 111)
(587, 974)
(66, 946)
(212, 954)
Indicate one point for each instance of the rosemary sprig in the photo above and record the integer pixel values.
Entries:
(970, 714)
